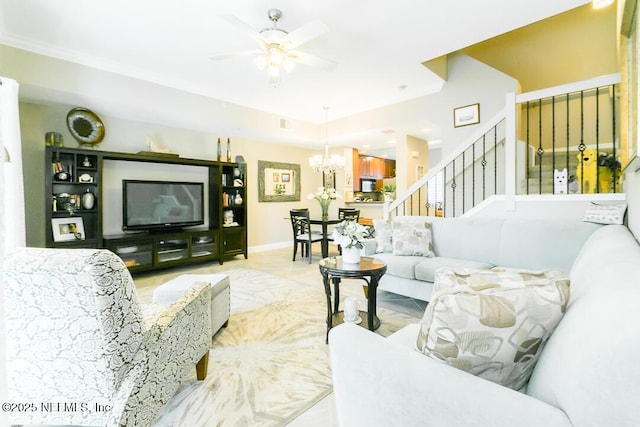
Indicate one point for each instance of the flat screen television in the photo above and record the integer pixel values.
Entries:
(148, 205)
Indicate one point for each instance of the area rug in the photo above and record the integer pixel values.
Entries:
(270, 364)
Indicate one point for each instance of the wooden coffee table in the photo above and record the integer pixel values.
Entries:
(333, 270)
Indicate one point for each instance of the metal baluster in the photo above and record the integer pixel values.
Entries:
(427, 202)
(568, 131)
(444, 192)
(540, 150)
(526, 151)
(473, 174)
(581, 146)
(614, 174)
(464, 187)
(553, 147)
(495, 160)
(484, 167)
(598, 189)
(453, 188)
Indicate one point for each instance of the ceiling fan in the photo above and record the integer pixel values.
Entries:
(279, 46)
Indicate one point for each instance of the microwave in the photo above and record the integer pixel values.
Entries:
(367, 185)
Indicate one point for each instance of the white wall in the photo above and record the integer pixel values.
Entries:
(115, 95)
(267, 223)
(469, 82)
(569, 206)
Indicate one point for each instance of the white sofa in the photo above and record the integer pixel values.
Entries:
(587, 375)
(481, 243)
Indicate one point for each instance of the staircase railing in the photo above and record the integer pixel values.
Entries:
(464, 178)
(571, 133)
(494, 159)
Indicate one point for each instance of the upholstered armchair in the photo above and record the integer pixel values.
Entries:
(79, 349)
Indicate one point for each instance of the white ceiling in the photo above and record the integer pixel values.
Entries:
(379, 45)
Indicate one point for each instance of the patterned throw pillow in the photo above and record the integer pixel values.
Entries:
(410, 238)
(605, 213)
(493, 323)
(383, 234)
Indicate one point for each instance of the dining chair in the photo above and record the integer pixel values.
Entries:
(313, 231)
(349, 213)
(302, 234)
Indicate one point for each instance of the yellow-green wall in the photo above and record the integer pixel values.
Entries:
(576, 45)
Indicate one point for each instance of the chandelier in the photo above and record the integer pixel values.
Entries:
(325, 163)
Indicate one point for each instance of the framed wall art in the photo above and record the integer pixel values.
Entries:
(467, 115)
(329, 180)
(278, 182)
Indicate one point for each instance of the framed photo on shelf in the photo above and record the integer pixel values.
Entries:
(467, 115)
(67, 229)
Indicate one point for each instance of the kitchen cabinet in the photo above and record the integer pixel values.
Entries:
(371, 167)
(389, 168)
(376, 167)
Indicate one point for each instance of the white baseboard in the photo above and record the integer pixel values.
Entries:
(269, 247)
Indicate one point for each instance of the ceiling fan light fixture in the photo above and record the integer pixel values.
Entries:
(273, 71)
(276, 42)
(261, 62)
(288, 65)
(277, 56)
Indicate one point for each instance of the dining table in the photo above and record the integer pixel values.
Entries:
(325, 235)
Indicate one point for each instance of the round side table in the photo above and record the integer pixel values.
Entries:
(333, 269)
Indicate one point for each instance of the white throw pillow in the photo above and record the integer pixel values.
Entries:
(605, 213)
(493, 323)
(383, 235)
(411, 238)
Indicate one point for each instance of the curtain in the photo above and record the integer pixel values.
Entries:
(12, 208)
(12, 216)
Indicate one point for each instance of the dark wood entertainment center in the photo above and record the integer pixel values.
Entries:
(74, 172)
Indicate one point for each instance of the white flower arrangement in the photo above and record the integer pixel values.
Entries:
(349, 234)
(324, 196)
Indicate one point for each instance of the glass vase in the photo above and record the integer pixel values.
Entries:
(325, 211)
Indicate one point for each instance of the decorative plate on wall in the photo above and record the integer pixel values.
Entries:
(85, 126)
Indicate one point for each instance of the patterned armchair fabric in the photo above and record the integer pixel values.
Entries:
(79, 350)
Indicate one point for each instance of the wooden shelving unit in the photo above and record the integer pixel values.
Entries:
(74, 171)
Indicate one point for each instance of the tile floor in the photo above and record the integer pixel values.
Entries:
(279, 263)
(322, 414)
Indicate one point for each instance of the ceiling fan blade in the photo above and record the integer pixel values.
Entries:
(236, 54)
(313, 60)
(242, 26)
(307, 32)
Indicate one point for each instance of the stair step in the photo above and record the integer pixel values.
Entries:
(534, 187)
(547, 174)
